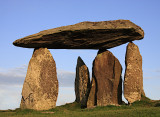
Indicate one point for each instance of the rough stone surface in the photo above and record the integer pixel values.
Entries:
(84, 35)
(91, 102)
(108, 83)
(82, 83)
(133, 80)
(40, 88)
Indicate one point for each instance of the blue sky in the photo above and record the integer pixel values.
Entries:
(20, 18)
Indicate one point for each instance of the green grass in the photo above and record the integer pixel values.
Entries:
(143, 108)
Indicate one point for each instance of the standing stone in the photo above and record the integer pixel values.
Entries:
(40, 88)
(91, 102)
(133, 80)
(108, 83)
(82, 83)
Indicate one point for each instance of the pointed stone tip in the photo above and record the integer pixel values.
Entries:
(18, 43)
(14, 43)
(79, 57)
(79, 60)
(131, 44)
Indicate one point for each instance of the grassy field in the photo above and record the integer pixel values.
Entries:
(144, 108)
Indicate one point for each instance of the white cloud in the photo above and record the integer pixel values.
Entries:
(11, 82)
(151, 77)
(152, 70)
(66, 78)
(151, 74)
(10, 97)
(157, 71)
(65, 95)
(16, 76)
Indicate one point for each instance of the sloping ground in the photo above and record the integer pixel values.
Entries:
(144, 108)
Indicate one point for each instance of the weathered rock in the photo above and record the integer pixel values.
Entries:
(133, 80)
(40, 88)
(91, 102)
(84, 35)
(107, 80)
(82, 83)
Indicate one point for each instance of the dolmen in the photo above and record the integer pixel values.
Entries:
(40, 88)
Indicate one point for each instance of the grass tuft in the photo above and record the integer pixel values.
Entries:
(157, 104)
